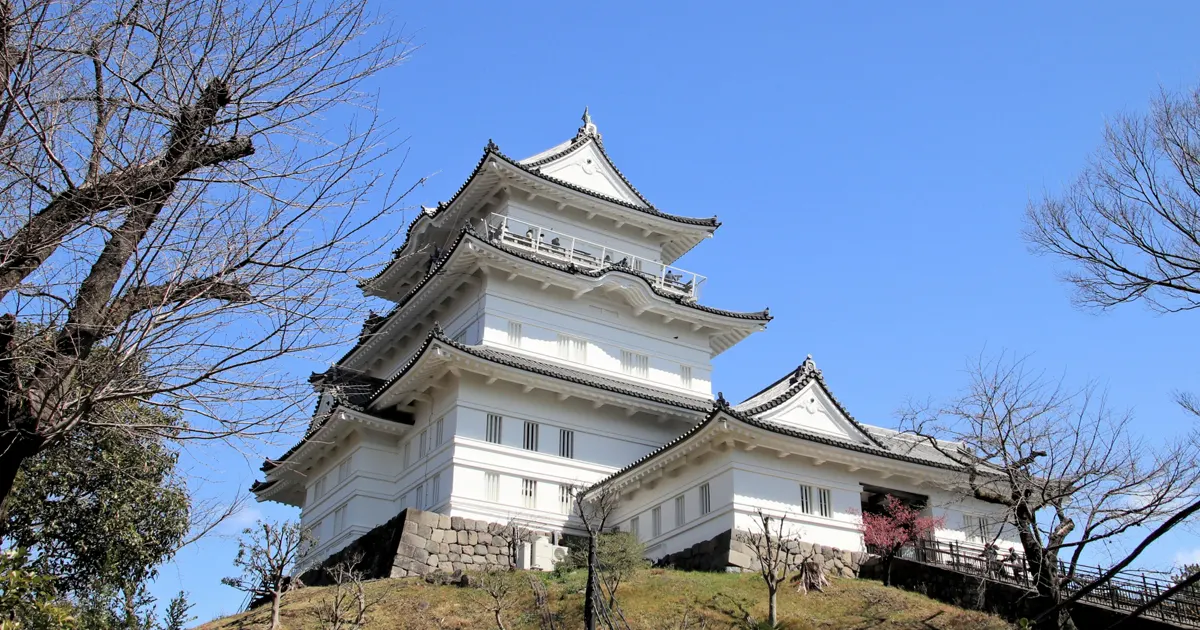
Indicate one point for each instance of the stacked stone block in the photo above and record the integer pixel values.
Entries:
(726, 553)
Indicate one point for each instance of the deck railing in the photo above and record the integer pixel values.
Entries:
(563, 247)
(1126, 591)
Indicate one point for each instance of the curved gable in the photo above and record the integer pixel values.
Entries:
(811, 409)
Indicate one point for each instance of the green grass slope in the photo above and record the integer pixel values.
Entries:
(655, 599)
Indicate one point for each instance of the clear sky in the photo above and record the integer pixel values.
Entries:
(871, 166)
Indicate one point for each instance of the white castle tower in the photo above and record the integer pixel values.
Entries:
(541, 339)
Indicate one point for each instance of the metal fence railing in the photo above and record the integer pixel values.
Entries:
(1128, 590)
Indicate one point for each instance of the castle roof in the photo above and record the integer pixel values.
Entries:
(484, 178)
(468, 234)
(884, 443)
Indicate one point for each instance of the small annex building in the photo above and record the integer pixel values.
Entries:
(542, 339)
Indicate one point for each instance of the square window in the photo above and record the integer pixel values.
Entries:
(635, 364)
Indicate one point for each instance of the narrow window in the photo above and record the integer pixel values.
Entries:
(439, 430)
(435, 490)
(491, 482)
(572, 348)
(422, 445)
(407, 454)
(680, 514)
(635, 364)
(494, 423)
(564, 499)
(319, 487)
(566, 443)
(806, 504)
(339, 519)
(656, 522)
(344, 470)
(825, 502)
(635, 528)
(514, 334)
(685, 376)
(419, 496)
(705, 500)
(530, 443)
(529, 493)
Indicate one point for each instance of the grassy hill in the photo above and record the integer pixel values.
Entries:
(655, 599)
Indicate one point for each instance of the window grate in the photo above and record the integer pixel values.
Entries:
(566, 443)
(705, 499)
(529, 493)
(806, 502)
(494, 425)
(514, 334)
(825, 502)
(680, 511)
(635, 364)
(491, 483)
(656, 521)
(530, 441)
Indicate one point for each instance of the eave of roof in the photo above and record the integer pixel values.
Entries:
(316, 427)
(542, 368)
(758, 316)
(491, 150)
(721, 409)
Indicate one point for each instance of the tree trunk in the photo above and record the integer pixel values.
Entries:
(131, 620)
(590, 594)
(772, 608)
(887, 571)
(499, 621)
(276, 596)
(1050, 594)
(14, 450)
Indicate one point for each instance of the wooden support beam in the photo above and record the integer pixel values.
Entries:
(697, 327)
(818, 461)
(525, 389)
(512, 276)
(630, 411)
(750, 446)
(545, 285)
(492, 379)
(530, 196)
(560, 205)
(619, 225)
(561, 397)
(596, 404)
(782, 454)
(590, 215)
(853, 468)
(667, 319)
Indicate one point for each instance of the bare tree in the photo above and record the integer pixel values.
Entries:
(1070, 471)
(776, 552)
(346, 606)
(1128, 226)
(517, 533)
(267, 556)
(594, 508)
(501, 588)
(184, 185)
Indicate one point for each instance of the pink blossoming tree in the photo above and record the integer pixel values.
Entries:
(898, 525)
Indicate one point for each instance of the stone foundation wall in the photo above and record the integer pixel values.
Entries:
(725, 553)
(416, 543)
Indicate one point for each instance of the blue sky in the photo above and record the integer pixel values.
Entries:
(871, 166)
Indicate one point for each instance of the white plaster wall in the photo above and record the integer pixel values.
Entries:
(463, 316)
(604, 440)
(717, 473)
(608, 326)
